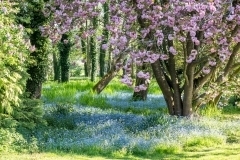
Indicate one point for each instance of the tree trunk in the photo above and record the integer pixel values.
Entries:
(105, 34)
(56, 68)
(141, 95)
(164, 86)
(37, 71)
(64, 48)
(109, 65)
(98, 88)
(84, 52)
(34, 85)
(93, 52)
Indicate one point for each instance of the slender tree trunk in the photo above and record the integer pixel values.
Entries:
(84, 51)
(64, 50)
(56, 68)
(98, 88)
(109, 65)
(93, 52)
(178, 107)
(188, 91)
(105, 34)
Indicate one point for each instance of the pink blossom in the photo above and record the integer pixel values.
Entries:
(136, 89)
(212, 62)
(104, 46)
(172, 50)
(142, 87)
(222, 57)
(189, 60)
(213, 50)
(206, 70)
(170, 37)
(164, 57)
(194, 52)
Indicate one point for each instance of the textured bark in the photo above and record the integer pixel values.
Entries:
(164, 86)
(64, 48)
(178, 108)
(56, 68)
(93, 53)
(37, 71)
(34, 86)
(84, 52)
(105, 40)
(188, 91)
(98, 88)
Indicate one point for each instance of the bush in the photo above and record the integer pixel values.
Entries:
(27, 114)
(11, 141)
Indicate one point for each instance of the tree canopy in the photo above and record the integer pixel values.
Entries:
(203, 36)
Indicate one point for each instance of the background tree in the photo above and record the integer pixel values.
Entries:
(105, 35)
(64, 51)
(93, 50)
(56, 67)
(32, 17)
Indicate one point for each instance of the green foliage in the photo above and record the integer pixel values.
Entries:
(231, 109)
(12, 141)
(29, 113)
(209, 110)
(13, 59)
(31, 16)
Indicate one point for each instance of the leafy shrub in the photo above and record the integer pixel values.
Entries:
(13, 59)
(27, 114)
(11, 141)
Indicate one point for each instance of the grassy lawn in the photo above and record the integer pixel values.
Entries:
(224, 152)
(82, 125)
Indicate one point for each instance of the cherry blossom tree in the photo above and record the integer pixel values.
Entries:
(191, 45)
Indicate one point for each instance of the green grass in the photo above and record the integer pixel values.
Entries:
(90, 99)
(187, 142)
(224, 152)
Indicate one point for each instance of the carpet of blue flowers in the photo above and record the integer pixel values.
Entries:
(118, 130)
